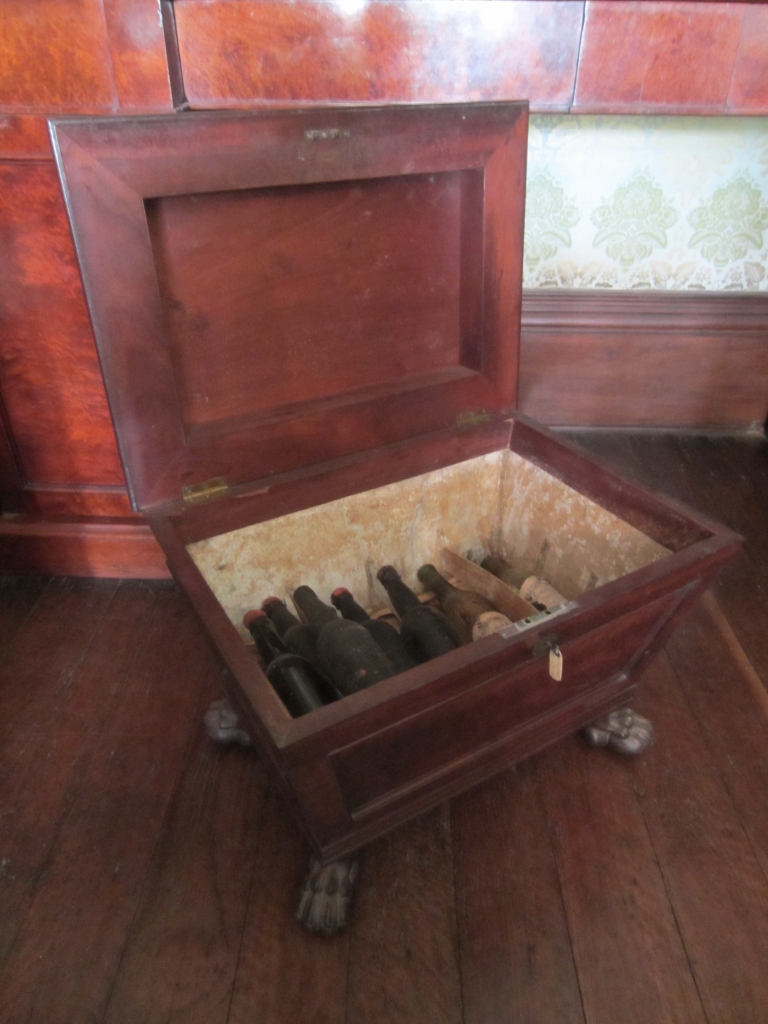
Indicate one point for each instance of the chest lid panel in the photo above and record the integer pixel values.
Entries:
(270, 291)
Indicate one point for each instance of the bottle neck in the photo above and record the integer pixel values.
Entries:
(281, 618)
(433, 581)
(504, 571)
(315, 612)
(348, 606)
(268, 644)
(402, 597)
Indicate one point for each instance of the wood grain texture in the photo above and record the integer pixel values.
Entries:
(98, 866)
(516, 957)
(11, 477)
(650, 359)
(24, 137)
(41, 679)
(400, 971)
(711, 874)
(261, 51)
(639, 57)
(137, 41)
(630, 959)
(55, 57)
(82, 501)
(727, 476)
(285, 971)
(183, 946)
(253, 433)
(51, 384)
(18, 596)
(703, 662)
(106, 547)
(749, 85)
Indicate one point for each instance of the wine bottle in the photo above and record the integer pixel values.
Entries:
(347, 652)
(385, 635)
(425, 631)
(512, 577)
(298, 638)
(504, 571)
(463, 608)
(296, 683)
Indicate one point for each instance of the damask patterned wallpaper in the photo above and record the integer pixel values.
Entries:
(647, 202)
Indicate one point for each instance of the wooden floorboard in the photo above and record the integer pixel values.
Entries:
(64, 959)
(732, 715)
(55, 698)
(147, 876)
(284, 973)
(403, 955)
(18, 596)
(713, 879)
(630, 959)
(183, 946)
(517, 961)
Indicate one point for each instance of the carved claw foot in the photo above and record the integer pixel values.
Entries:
(327, 894)
(223, 725)
(623, 730)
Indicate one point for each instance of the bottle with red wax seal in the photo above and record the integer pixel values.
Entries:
(385, 635)
(347, 652)
(294, 680)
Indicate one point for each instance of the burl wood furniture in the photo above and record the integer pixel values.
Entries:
(308, 323)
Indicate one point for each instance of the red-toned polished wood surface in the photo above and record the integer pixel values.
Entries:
(145, 72)
(238, 54)
(605, 358)
(87, 56)
(24, 137)
(300, 404)
(305, 322)
(657, 57)
(55, 56)
(749, 84)
(51, 384)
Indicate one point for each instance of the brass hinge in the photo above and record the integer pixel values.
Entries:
(472, 419)
(213, 488)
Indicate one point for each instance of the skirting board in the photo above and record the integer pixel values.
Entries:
(645, 359)
(105, 548)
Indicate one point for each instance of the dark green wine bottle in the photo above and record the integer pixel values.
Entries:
(425, 631)
(296, 683)
(462, 607)
(385, 635)
(297, 637)
(347, 651)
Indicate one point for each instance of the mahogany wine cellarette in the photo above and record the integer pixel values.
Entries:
(308, 323)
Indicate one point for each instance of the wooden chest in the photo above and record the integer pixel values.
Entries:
(308, 323)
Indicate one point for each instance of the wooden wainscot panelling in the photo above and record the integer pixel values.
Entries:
(116, 548)
(640, 57)
(600, 358)
(24, 137)
(11, 480)
(55, 57)
(749, 85)
(256, 51)
(50, 381)
(142, 40)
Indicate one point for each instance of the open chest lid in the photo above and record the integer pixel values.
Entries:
(270, 291)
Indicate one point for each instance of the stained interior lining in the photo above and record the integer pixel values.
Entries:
(498, 503)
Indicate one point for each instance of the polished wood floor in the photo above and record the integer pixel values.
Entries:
(147, 876)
